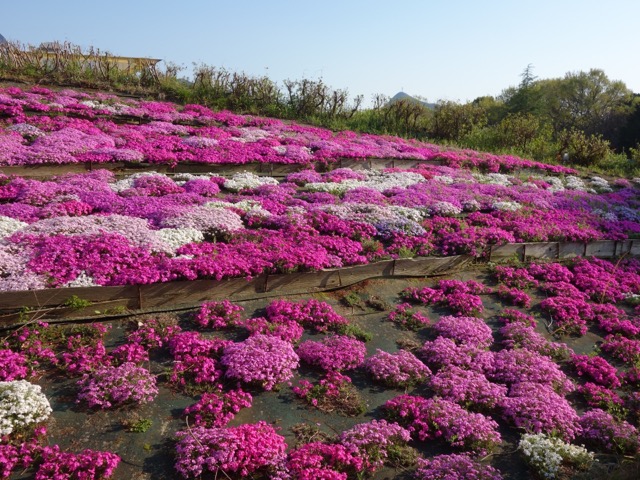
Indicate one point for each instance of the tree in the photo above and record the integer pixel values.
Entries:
(527, 97)
(452, 121)
(588, 101)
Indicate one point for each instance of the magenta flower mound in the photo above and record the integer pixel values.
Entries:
(333, 393)
(316, 460)
(334, 353)
(406, 317)
(280, 327)
(455, 467)
(467, 388)
(443, 352)
(243, 450)
(508, 316)
(398, 370)
(514, 296)
(371, 441)
(622, 348)
(13, 366)
(570, 314)
(518, 278)
(263, 360)
(602, 431)
(537, 408)
(312, 313)
(465, 330)
(439, 418)
(519, 365)
(218, 315)
(87, 465)
(597, 369)
(521, 335)
(109, 386)
(218, 408)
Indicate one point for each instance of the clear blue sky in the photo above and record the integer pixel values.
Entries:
(446, 49)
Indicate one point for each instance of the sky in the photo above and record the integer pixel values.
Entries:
(438, 49)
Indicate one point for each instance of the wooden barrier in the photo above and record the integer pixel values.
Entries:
(564, 250)
(178, 294)
(16, 306)
(277, 170)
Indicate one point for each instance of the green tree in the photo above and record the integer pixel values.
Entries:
(587, 101)
(451, 121)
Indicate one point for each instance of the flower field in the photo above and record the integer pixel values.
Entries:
(511, 370)
(97, 228)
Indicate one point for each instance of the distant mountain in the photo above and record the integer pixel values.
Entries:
(2, 39)
(405, 96)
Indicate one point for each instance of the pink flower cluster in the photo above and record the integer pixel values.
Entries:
(86, 465)
(602, 431)
(333, 353)
(440, 418)
(455, 467)
(108, 387)
(468, 388)
(407, 317)
(218, 315)
(242, 450)
(398, 370)
(217, 408)
(461, 297)
(261, 360)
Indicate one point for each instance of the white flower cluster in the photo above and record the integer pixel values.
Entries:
(575, 183)
(379, 181)
(546, 454)
(556, 184)
(247, 180)
(82, 280)
(506, 206)
(250, 135)
(413, 214)
(8, 226)
(280, 149)
(21, 404)
(600, 185)
(200, 142)
(446, 179)
(177, 237)
(493, 179)
(250, 206)
(471, 205)
(26, 130)
(445, 209)
(609, 216)
(127, 182)
(115, 108)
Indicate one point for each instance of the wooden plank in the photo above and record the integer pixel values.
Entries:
(354, 163)
(571, 249)
(303, 282)
(52, 297)
(44, 170)
(429, 265)
(635, 247)
(406, 163)
(507, 251)
(381, 163)
(623, 247)
(351, 275)
(541, 250)
(603, 249)
(195, 291)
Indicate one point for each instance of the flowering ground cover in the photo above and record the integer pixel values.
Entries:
(95, 229)
(326, 390)
(41, 126)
